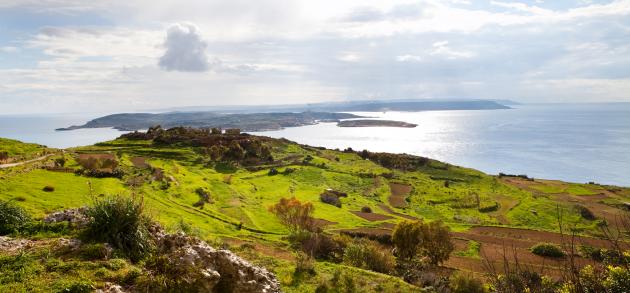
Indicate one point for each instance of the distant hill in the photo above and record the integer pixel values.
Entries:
(245, 121)
(268, 118)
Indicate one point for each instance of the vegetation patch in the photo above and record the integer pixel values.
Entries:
(121, 222)
(547, 249)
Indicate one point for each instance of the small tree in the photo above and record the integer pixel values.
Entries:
(235, 152)
(216, 152)
(60, 162)
(294, 214)
(406, 237)
(436, 242)
(4, 156)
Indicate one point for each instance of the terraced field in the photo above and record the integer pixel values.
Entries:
(485, 213)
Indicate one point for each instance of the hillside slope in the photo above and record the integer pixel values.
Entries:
(227, 201)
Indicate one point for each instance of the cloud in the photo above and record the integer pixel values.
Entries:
(9, 49)
(185, 49)
(442, 49)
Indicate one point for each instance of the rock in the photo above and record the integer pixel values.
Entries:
(221, 270)
(8, 244)
(70, 243)
(111, 288)
(74, 216)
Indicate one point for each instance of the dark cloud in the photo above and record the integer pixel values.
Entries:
(185, 49)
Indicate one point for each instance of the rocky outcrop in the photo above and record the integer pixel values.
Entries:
(74, 216)
(111, 288)
(8, 244)
(221, 270)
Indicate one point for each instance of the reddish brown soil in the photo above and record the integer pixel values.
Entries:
(390, 211)
(513, 244)
(321, 223)
(370, 231)
(139, 162)
(399, 194)
(97, 156)
(372, 217)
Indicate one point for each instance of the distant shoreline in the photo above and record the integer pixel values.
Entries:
(375, 123)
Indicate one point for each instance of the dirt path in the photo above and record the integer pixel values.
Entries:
(25, 162)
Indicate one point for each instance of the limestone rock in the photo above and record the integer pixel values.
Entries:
(222, 270)
(74, 216)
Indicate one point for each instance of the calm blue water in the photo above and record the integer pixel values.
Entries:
(41, 129)
(578, 143)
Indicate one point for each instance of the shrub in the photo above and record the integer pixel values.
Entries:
(436, 241)
(618, 280)
(48, 188)
(12, 218)
(585, 212)
(366, 210)
(489, 208)
(294, 214)
(406, 237)
(369, 255)
(547, 249)
(330, 199)
(121, 222)
(460, 283)
(304, 264)
(322, 246)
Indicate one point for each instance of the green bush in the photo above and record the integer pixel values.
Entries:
(369, 255)
(12, 218)
(547, 249)
(460, 283)
(407, 236)
(121, 222)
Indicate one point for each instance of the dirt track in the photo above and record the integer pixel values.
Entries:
(25, 162)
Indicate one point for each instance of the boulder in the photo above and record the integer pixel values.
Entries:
(221, 270)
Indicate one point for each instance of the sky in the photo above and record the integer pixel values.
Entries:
(121, 56)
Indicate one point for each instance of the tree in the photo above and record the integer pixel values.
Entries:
(216, 152)
(294, 214)
(407, 236)
(436, 241)
(235, 152)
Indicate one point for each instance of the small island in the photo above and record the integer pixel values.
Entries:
(375, 123)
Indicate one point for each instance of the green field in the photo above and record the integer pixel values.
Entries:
(238, 213)
(18, 151)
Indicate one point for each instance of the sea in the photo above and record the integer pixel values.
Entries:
(570, 142)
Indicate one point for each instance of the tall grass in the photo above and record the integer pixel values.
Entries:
(121, 222)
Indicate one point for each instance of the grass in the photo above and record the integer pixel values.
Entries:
(239, 208)
(472, 251)
(19, 150)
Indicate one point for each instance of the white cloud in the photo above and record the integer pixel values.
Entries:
(185, 49)
(408, 58)
(9, 49)
(443, 50)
